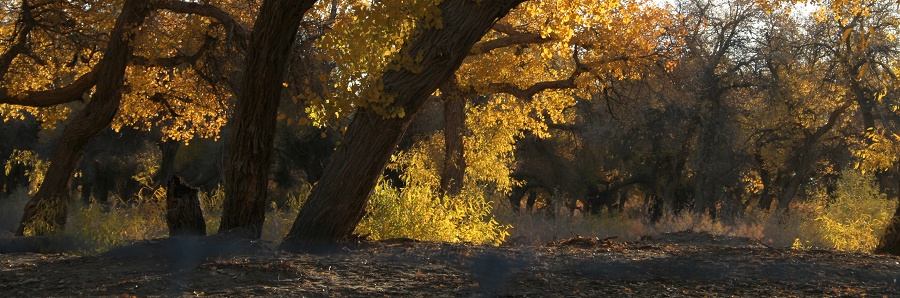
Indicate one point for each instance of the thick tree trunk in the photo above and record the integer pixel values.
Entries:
(247, 166)
(790, 191)
(890, 241)
(454, 149)
(765, 196)
(49, 204)
(183, 214)
(338, 201)
(708, 181)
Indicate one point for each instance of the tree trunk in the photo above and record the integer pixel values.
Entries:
(805, 158)
(454, 149)
(183, 214)
(338, 201)
(247, 166)
(790, 191)
(169, 150)
(49, 204)
(890, 241)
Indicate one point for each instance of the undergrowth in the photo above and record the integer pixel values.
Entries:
(419, 212)
(851, 216)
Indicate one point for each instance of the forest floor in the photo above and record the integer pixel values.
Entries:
(669, 265)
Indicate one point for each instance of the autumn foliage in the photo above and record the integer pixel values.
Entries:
(455, 120)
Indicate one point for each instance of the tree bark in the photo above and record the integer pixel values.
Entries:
(454, 171)
(183, 214)
(247, 166)
(338, 201)
(169, 151)
(890, 241)
(53, 195)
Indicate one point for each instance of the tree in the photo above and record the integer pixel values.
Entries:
(527, 71)
(96, 116)
(437, 47)
(717, 53)
(247, 167)
(77, 26)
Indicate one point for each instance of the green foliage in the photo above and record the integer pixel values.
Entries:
(856, 213)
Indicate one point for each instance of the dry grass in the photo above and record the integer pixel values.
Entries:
(143, 218)
(801, 228)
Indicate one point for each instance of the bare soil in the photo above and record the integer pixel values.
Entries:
(670, 265)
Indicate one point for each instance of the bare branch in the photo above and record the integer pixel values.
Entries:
(513, 37)
(207, 10)
(177, 59)
(26, 24)
(70, 93)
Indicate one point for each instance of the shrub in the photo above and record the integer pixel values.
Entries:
(102, 227)
(855, 214)
(212, 203)
(280, 218)
(420, 213)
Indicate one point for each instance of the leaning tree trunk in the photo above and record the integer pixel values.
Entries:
(337, 203)
(247, 167)
(454, 149)
(50, 203)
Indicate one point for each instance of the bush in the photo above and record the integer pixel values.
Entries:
(101, 227)
(280, 219)
(856, 213)
(419, 213)
(212, 203)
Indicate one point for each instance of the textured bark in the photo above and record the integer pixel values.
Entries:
(247, 166)
(338, 201)
(890, 241)
(183, 214)
(169, 151)
(96, 116)
(454, 171)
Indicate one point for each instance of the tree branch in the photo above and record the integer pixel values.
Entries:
(207, 10)
(70, 93)
(510, 40)
(177, 59)
(20, 45)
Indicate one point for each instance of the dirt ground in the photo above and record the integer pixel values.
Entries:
(670, 265)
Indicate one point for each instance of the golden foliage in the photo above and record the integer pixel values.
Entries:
(418, 211)
(856, 213)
